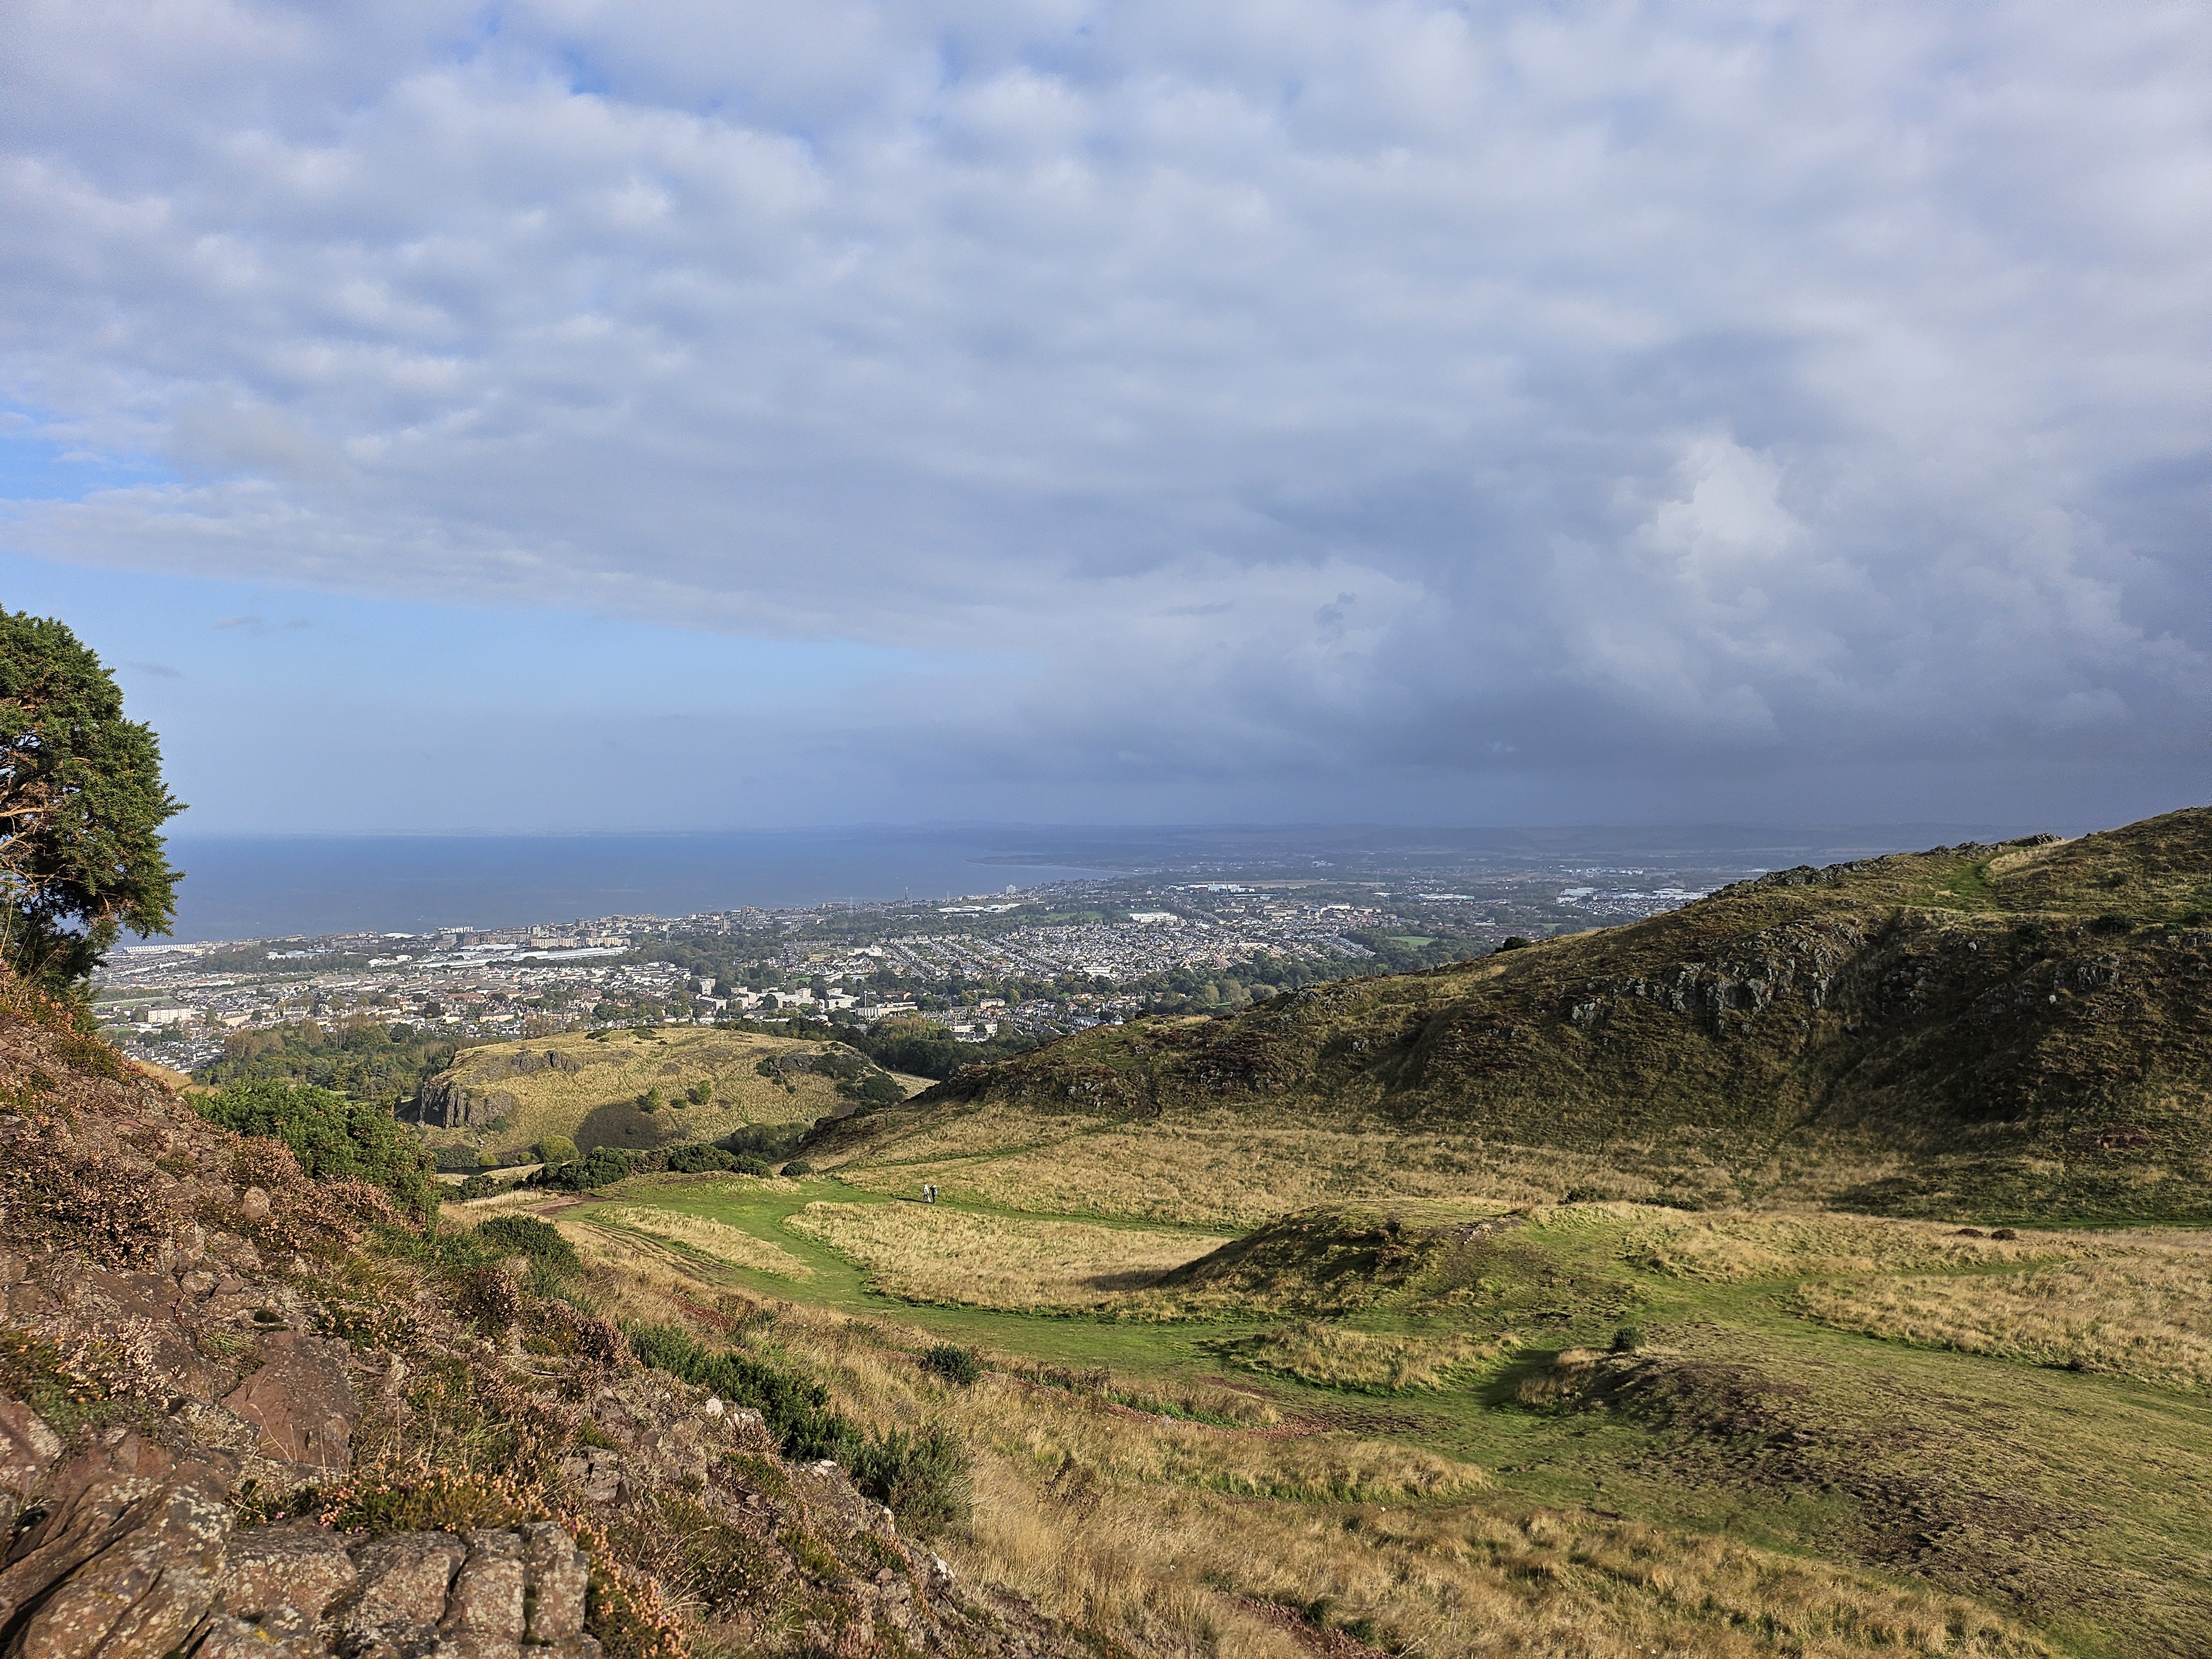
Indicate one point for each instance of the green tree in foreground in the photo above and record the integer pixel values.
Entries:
(82, 805)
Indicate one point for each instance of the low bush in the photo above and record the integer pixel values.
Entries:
(601, 1167)
(694, 1158)
(923, 1477)
(332, 1137)
(764, 1142)
(524, 1235)
(798, 1167)
(954, 1364)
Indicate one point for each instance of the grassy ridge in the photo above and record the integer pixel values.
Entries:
(589, 1087)
(2005, 1032)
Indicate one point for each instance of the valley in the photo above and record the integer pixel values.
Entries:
(1755, 1383)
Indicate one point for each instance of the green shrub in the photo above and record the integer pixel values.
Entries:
(333, 1138)
(923, 1477)
(954, 1362)
(768, 1142)
(700, 1093)
(798, 1167)
(751, 1166)
(696, 1159)
(524, 1235)
(556, 1149)
(601, 1167)
(1627, 1339)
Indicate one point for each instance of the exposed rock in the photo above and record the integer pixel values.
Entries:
(301, 1400)
(558, 1577)
(293, 1564)
(27, 1445)
(404, 1581)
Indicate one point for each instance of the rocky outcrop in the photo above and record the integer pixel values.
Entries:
(196, 1340)
(463, 1098)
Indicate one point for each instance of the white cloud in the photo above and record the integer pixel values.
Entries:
(1692, 387)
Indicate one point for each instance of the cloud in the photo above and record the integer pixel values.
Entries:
(1618, 402)
(159, 670)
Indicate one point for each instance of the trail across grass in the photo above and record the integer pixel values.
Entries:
(2072, 1496)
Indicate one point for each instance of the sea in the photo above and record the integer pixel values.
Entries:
(239, 887)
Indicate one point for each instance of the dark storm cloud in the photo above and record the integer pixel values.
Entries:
(1590, 405)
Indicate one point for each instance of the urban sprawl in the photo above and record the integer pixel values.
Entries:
(1028, 962)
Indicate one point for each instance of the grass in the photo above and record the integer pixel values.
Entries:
(2146, 1314)
(595, 1104)
(1773, 1463)
(1984, 1033)
(695, 1234)
(1339, 1357)
(934, 1253)
(1194, 1539)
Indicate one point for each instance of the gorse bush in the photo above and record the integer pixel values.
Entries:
(601, 1167)
(764, 1142)
(923, 1477)
(523, 1235)
(796, 1408)
(697, 1159)
(333, 1138)
(954, 1364)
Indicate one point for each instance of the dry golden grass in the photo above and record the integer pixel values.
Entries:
(1184, 1572)
(1187, 1541)
(1176, 1537)
(1215, 1170)
(930, 1253)
(620, 1066)
(697, 1233)
(1333, 1357)
(2147, 1314)
(1742, 1245)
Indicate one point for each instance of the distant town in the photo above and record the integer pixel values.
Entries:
(1018, 965)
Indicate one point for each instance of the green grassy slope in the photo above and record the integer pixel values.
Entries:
(2020, 1031)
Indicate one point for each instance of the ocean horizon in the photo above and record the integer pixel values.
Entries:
(276, 886)
(241, 887)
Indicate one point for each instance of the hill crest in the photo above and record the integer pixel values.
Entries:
(2018, 1031)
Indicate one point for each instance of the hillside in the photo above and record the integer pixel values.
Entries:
(244, 1412)
(2019, 1031)
(504, 1097)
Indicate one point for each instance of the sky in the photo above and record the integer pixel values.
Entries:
(558, 414)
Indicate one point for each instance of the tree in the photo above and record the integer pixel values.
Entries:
(82, 805)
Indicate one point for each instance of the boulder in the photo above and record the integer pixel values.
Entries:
(303, 1400)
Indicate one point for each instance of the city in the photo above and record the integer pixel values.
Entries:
(1021, 964)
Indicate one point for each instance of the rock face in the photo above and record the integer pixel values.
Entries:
(131, 1552)
(463, 1097)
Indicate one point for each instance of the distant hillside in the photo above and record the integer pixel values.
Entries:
(599, 1090)
(2017, 1031)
